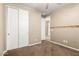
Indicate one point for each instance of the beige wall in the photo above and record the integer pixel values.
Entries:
(1, 29)
(34, 25)
(67, 15)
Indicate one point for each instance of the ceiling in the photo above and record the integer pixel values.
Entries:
(45, 8)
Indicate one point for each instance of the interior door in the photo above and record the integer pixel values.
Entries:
(12, 28)
(47, 27)
(43, 29)
(23, 27)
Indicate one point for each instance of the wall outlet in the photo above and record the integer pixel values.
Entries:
(65, 41)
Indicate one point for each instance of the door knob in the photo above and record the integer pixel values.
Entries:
(8, 33)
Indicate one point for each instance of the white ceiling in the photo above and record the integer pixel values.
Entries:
(45, 8)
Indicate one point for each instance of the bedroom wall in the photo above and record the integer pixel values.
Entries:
(1, 28)
(66, 16)
(35, 27)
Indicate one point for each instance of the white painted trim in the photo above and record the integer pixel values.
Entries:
(4, 52)
(64, 45)
(28, 45)
(34, 44)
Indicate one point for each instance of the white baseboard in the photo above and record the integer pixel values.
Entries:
(4, 52)
(34, 44)
(28, 45)
(64, 45)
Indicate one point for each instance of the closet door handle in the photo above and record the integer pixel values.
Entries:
(8, 33)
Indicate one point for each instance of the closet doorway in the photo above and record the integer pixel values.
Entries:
(17, 27)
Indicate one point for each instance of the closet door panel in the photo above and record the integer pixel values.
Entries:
(12, 28)
(23, 28)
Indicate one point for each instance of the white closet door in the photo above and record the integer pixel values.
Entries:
(23, 28)
(12, 28)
